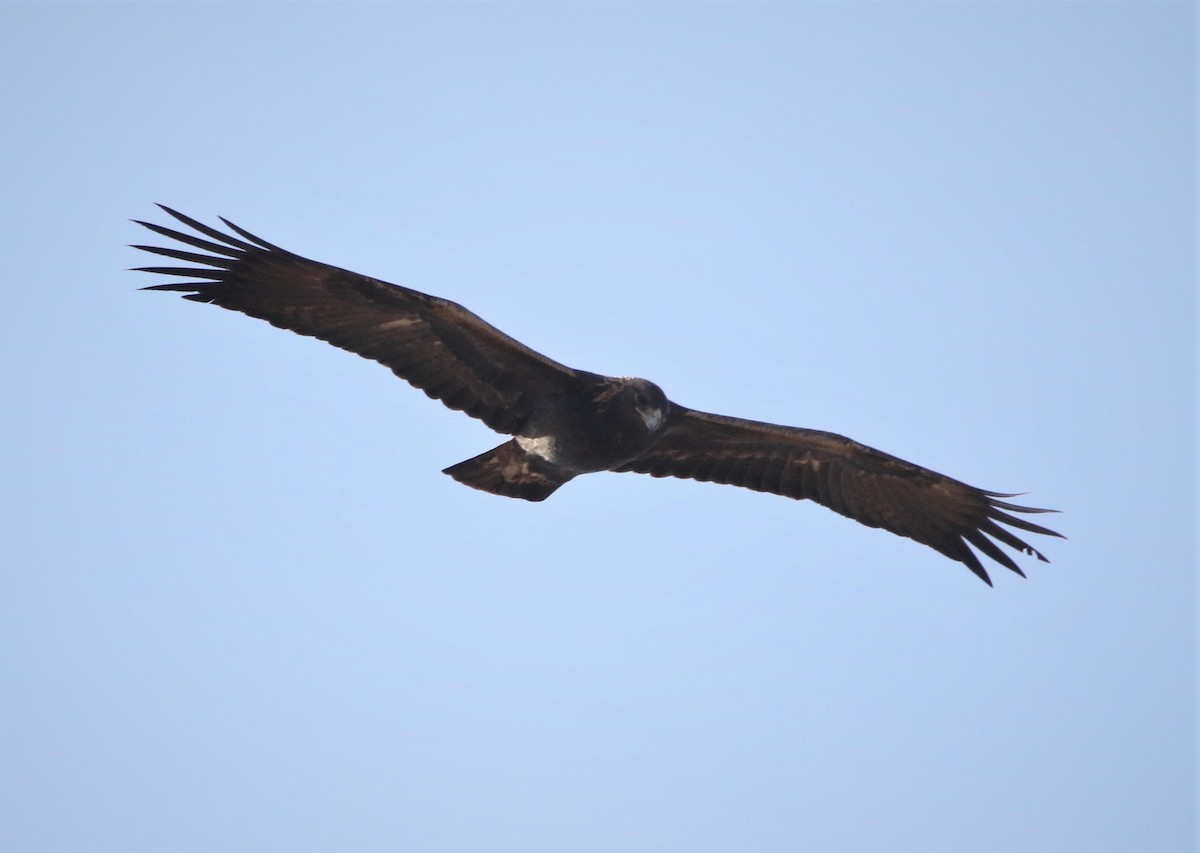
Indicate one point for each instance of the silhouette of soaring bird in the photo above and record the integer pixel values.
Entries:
(566, 422)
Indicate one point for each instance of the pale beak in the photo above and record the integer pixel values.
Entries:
(652, 417)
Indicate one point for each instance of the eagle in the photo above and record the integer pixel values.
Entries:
(566, 422)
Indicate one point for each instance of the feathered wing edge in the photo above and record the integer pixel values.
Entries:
(859, 482)
(995, 516)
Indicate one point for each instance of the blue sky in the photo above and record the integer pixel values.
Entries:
(242, 609)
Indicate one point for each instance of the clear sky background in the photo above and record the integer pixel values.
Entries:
(242, 609)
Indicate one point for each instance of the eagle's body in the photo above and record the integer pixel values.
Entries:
(567, 422)
(603, 423)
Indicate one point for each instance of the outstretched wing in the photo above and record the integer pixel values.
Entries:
(857, 481)
(435, 344)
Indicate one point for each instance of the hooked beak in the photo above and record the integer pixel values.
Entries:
(652, 416)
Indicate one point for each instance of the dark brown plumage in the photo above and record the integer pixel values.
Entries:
(567, 422)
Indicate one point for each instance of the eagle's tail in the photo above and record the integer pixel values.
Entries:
(508, 470)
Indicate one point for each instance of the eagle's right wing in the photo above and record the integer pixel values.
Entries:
(435, 344)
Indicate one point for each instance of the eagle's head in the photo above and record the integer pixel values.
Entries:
(639, 397)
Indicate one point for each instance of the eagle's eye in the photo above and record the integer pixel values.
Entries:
(640, 398)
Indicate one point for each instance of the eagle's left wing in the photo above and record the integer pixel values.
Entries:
(859, 482)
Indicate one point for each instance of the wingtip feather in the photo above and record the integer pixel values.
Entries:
(251, 237)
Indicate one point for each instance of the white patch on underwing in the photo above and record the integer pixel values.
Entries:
(541, 447)
(403, 322)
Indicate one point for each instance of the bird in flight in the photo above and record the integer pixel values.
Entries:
(566, 422)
